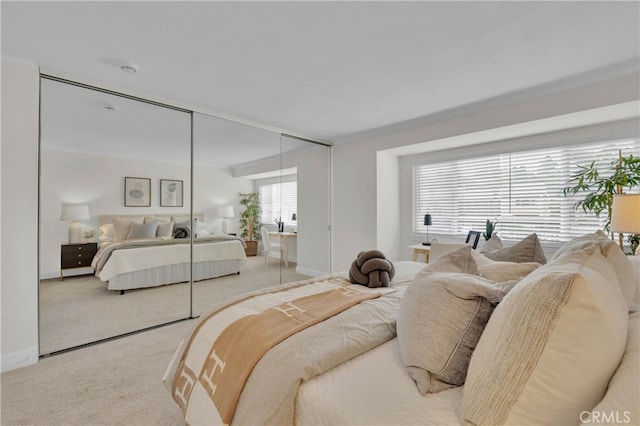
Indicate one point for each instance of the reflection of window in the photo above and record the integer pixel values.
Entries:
(279, 199)
(522, 190)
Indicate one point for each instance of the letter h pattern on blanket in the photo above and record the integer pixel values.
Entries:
(243, 342)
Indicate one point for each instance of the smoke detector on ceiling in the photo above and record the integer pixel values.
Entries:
(129, 68)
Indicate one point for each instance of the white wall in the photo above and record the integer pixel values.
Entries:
(98, 181)
(355, 217)
(216, 187)
(19, 215)
(388, 204)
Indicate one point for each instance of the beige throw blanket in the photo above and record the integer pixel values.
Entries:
(196, 374)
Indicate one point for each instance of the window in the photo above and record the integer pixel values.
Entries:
(522, 190)
(279, 200)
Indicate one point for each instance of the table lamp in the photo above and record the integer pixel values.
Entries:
(74, 214)
(625, 214)
(225, 212)
(427, 223)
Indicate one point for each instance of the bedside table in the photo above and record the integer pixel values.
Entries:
(76, 256)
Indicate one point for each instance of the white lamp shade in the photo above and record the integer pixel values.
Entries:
(625, 213)
(74, 213)
(225, 211)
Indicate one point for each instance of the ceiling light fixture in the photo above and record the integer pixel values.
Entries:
(129, 68)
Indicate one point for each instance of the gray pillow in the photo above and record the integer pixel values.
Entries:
(441, 318)
(147, 230)
(527, 250)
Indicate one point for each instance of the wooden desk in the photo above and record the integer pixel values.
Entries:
(284, 238)
(420, 249)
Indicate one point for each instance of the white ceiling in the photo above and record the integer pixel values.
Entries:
(324, 70)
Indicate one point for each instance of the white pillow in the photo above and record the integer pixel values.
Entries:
(107, 230)
(123, 226)
(165, 229)
(620, 404)
(550, 347)
(502, 271)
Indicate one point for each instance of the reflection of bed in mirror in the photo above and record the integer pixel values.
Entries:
(129, 259)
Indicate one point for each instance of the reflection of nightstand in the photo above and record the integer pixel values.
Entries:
(76, 255)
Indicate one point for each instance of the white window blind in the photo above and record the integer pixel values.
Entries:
(279, 200)
(522, 190)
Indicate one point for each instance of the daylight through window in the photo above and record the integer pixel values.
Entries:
(521, 190)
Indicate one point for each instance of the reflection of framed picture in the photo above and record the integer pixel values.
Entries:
(137, 192)
(170, 193)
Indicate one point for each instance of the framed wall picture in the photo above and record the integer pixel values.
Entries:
(170, 193)
(137, 192)
(472, 238)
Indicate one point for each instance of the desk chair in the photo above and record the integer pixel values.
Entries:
(270, 246)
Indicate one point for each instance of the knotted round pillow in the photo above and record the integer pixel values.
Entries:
(372, 269)
(180, 231)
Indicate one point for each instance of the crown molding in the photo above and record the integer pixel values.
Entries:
(578, 80)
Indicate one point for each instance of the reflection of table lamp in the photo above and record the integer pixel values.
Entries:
(625, 214)
(427, 223)
(225, 212)
(74, 214)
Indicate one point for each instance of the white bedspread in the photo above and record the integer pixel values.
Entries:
(136, 259)
(374, 389)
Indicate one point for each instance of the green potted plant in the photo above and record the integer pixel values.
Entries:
(490, 228)
(250, 224)
(600, 183)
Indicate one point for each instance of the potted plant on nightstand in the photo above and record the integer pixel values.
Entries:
(250, 224)
(600, 183)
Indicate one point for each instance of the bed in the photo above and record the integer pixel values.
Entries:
(349, 366)
(126, 264)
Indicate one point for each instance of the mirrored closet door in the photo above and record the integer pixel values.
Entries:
(285, 177)
(114, 172)
(227, 157)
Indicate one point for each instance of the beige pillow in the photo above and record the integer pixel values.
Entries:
(441, 318)
(123, 226)
(165, 229)
(493, 244)
(438, 249)
(159, 219)
(502, 271)
(527, 250)
(621, 263)
(550, 347)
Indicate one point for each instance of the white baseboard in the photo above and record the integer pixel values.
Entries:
(66, 273)
(18, 359)
(311, 272)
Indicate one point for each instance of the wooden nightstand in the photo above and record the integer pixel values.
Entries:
(77, 256)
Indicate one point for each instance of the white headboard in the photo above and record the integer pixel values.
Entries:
(106, 219)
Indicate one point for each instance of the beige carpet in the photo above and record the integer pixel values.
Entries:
(117, 382)
(79, 310)
(112, 383)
